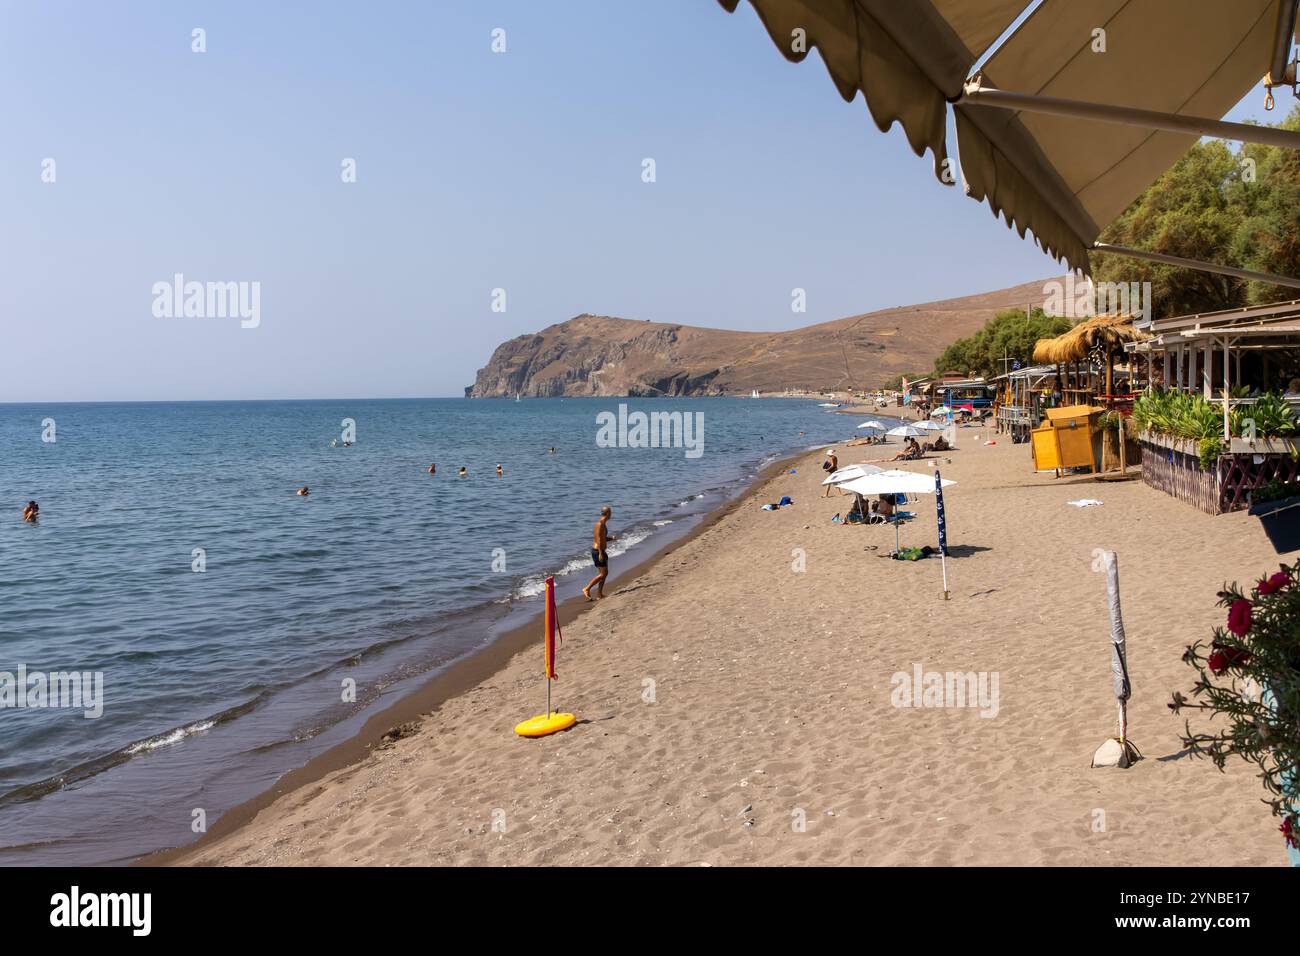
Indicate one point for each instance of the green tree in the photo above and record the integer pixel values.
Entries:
(1008, 335)
(1237, 208)
(896, 383)
(1267, 239)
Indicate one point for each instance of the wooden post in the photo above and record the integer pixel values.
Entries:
(1123, 453)
(1227, 394)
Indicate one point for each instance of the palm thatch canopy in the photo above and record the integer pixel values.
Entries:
(1111, 332)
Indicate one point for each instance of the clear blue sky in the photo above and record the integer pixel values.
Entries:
(476, 170)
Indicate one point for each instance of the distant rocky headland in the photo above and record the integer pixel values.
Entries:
(603, 355)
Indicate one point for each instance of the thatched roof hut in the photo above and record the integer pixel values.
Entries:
(1111, 332)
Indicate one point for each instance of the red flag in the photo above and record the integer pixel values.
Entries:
(552, 628)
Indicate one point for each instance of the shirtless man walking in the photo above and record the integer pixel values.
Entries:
(600, 537)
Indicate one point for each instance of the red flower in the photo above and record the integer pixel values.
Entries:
(1239, 617)
(1274, 583)
(1287, 831)
(1224, 657)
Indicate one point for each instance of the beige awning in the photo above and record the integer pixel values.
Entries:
(907, 59)
(1065, 177)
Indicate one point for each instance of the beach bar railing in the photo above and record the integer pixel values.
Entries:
(1173, 465)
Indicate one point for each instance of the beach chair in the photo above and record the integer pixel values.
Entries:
(901, 499)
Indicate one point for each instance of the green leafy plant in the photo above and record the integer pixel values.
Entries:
(1209, 451)
(1188, 415)
(1248, 681)
(1272, 416)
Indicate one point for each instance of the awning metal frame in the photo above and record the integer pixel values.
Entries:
(1280, 71)
(1196, 264)
(976, 92)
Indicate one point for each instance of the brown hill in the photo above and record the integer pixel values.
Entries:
(601, 355)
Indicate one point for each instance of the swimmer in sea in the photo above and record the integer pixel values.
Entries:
(552, 449)
(303, 492)
(463, 471)
(31, 512)
(433, 469)
(500, 471)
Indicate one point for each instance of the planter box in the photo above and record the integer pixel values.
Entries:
(1173, 466)
(1281, 521)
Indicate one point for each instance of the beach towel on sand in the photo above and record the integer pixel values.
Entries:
(912, 554)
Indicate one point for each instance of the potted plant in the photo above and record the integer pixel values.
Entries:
(1277, 506)
(1249, 675)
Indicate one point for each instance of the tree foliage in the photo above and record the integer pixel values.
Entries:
(1010, 335)
(1238, 208)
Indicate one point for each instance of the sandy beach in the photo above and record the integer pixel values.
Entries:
(737, 710)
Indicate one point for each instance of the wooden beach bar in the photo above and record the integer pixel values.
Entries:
(1243, 367)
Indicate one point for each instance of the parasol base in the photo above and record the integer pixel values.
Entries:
(1116, 752)
(545, 724)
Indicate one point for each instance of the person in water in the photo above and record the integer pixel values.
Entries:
(500, 471)
(433, 469)
(31, 512)
(303, 492)
(552, 449)
(463, 471)
(600, 538)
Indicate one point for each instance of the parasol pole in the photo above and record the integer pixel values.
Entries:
(943, 562)
(553, 721)
(1117, 751)
(943, 531)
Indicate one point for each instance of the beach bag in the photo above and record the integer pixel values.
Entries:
(785, 500)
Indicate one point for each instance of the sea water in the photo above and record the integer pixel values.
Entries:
(227, 617)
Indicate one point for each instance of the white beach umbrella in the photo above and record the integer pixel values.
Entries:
(894, 482)
(905, 431)
(849, 472)
(943, 411)
(928, 426)
(873, 424)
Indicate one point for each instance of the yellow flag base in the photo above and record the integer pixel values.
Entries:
(545, 724)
